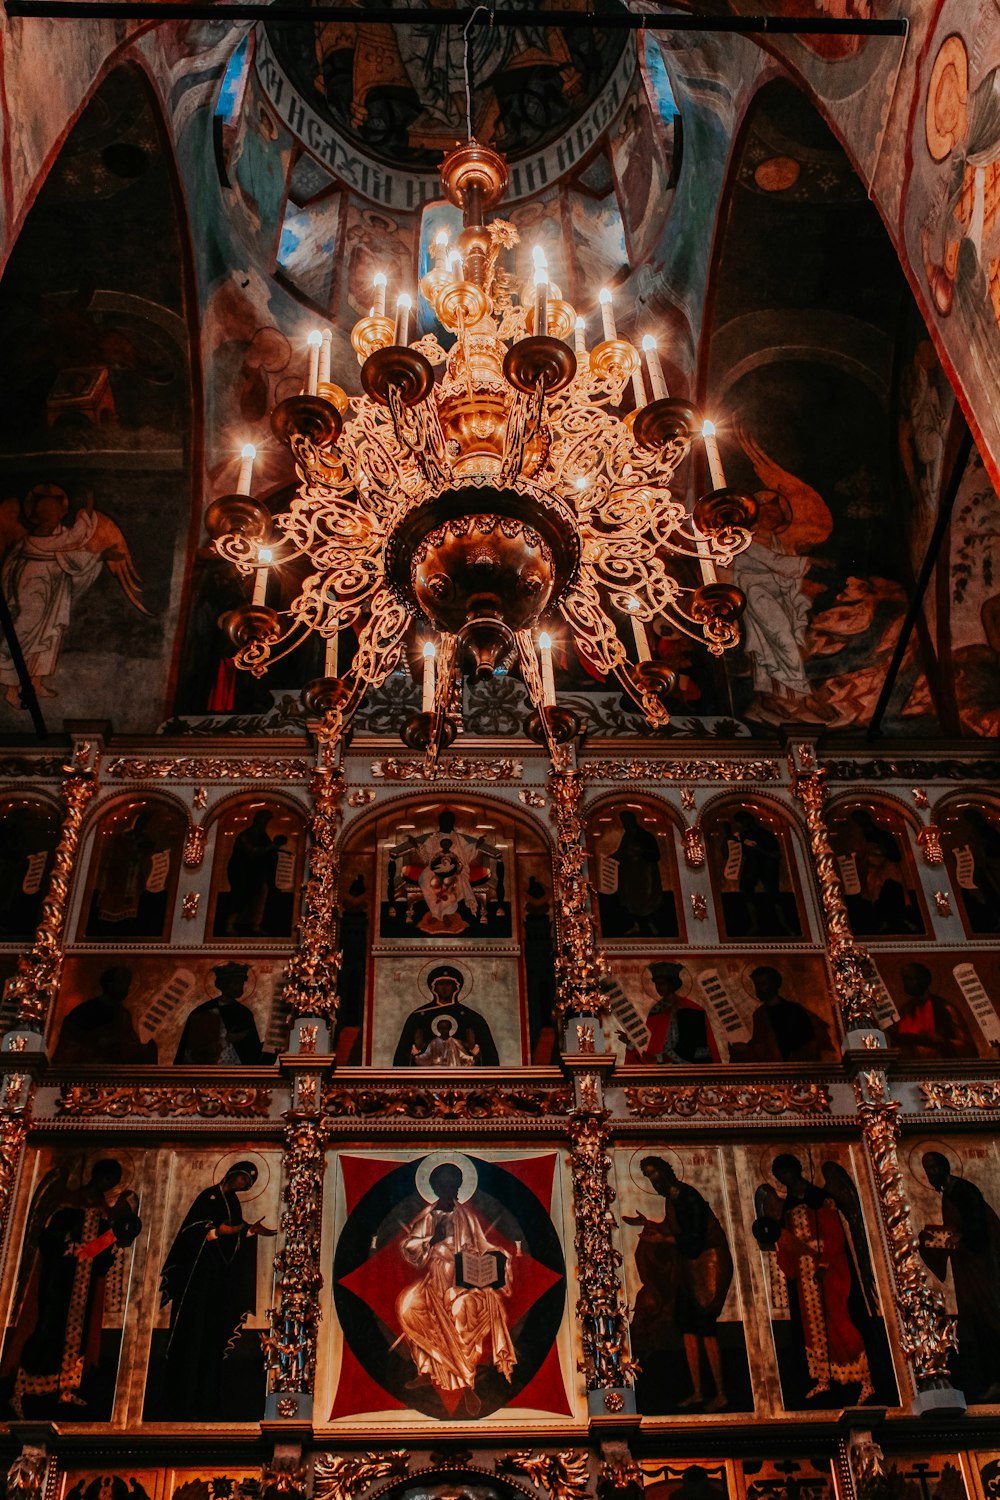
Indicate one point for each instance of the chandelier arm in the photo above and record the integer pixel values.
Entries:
(444, 689)
(380, 641)
(595, 634)
(530, 673)
(719, 635)
(648, 700)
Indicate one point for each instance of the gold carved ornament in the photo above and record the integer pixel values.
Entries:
(449, 768)
(13, 1131)
(981, 1095)
(729, 1100)
(681, 770)
(341, 1476)
(165, 1101)
(926, 1329)
(194, 845)
(290, 1343)
(853, 971)
(311, 985)
(36, 983)
(600, 1310)
(214, 768)
(581, 970)
(929, 839)
(430, 1103)
(564, 1476)
(694, 847)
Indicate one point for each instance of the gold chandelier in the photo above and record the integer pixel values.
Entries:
(490, 503)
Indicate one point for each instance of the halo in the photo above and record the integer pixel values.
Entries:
(648, 987)
(470, 1177)
(230, 1159)
(643, 1183)
(916, 1153)
(249, 984)
(949, 85)
(452, 963)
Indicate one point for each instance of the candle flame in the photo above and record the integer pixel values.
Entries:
(404, 300)
(265, 554)
(545, 641)
(648, 342)
(442, 237)
(580, 324)
(429, 649)
(248, 451)
(604, 295)
(708, 429)
(381, 279)
(538, 258)
(315, 338)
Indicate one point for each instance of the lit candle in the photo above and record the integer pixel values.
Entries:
(264, 556)
(581, 336)
(607, 314)
(324, 357)
(381, 282)
(455, 265)
(638, 632)
(656, 381)
(314, 340)
(402, 331)
(548, 677)
(441, 249)
(541, 291)
(247, 455)
(430, 653)
(330, 656)
(638, 389)
(715, 468)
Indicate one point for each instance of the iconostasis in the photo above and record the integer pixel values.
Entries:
(150, 1215)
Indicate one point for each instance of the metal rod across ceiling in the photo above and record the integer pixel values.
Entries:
(290, 11)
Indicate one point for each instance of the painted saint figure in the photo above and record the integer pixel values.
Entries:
(680, 1030)
(452, 874)
(47, 566)
(445, 1051)
(71, 1242)
(638, 904)
(209, 1282)
(817, 1234)
(471, 1030)
(252, 877)
(222, 1030)
(752, 857)
(782, 1029)
(967, 1240)
(453, 1317)
(130, 894)
(686, 1268)
(928, 1024)
(101, 1029)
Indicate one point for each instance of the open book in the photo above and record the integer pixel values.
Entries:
(480, 1269)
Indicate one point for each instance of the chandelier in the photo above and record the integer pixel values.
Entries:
(505, 502)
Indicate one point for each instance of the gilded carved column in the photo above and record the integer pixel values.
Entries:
(311, 985)
(36, 983)
(290, 1346)
(926, 1329)
(601, 1309)
(850, 961)
(581, 970)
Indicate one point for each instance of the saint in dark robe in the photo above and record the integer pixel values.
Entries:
(209, 1282)
(101, 1029)
(979, 888)
(640, 906)
(968, 1240)
(782, 1030)
(680, 1030)
(470, 1028)
(758, 907)
(130, 897)
(928, 1025)
(686, 1269)
(54, 1351)
(223, 1031)
(254, 906)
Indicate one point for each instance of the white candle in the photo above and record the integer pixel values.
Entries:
(314, 340)
(247, 455)
(455, 265)
(715, 468)
(441, 248)
(639, 632)
(548, 677)
(638, 389)
(427, 703)
(705, 563)
(656, 381)
(324, 357)
(607, 314)
(401, 334)
(581, 336)
(264, 556)
(541, 291)
(381, 282)
(330, 657)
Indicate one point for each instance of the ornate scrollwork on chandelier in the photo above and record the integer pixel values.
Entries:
(489, 502)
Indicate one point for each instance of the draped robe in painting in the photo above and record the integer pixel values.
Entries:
(211, 1286)
(447, 1326)
(815, 1257)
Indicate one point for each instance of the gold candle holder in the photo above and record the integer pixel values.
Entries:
(370, 334)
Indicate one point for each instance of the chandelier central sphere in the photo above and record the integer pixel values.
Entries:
(528, 482)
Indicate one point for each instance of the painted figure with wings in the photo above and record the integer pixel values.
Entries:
(47, 565)
(792, 519)
(818, 1236)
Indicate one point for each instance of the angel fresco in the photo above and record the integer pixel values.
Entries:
(57, 1361)
(50, 560)
(817, 1235)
